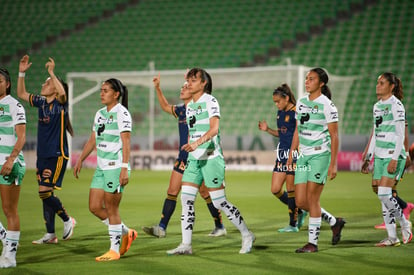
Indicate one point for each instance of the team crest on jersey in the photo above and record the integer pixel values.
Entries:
(1, 111)
(199, 110)
(287, 117)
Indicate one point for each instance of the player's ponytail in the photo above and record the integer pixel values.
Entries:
(285, 91)
(398, 87)
(69, 127)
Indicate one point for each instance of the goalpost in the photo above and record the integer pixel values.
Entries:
(245, 96)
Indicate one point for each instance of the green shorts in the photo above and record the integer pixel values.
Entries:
(108, 180)
(16, 175)
(312, 168)
(380, 169)
(211, 171)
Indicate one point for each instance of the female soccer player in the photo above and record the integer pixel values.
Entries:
(12, 167)
(111, 135)
(316, 136)
(178, 111)
(407, 207)
(52, 146)
(387, 144)
(205, 163)
(286, 123)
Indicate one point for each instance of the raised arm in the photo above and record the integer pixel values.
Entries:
(165, 106)
(24, 65)
(61, 95)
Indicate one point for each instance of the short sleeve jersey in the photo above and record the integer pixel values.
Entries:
(386, 114)
(313, 117)
(51, 132)
(11, 114)
(108, 126)
(286, 124)
(179, 113)
(198, 121)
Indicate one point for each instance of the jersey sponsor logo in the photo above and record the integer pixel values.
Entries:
(381, 112)
(101, 128)
(378, 121)
(192, 121)
(45, 120)
(214, 110)
(307, 109)
(304, 118)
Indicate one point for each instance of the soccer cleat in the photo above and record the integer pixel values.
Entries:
(308, 248)
(247, 243)
(301, 218)
(380, 226)
(48, 238)
(388, 242)
(182, 249)
(7, 262)
(407, 211)
(127, 240)
(108, 256)
(218, 232)
(336, 230)
(68, 227)
(288, 229)
(156, 231)
(406, 232)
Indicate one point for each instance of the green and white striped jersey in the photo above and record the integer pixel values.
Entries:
(386, 116)
(11, 114)
(108, 127)
(313, 117)
(198, 120)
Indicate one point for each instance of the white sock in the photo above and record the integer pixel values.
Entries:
(188, 197)
(125, 228)
(12, 241)
(233, 214)
(314, 228)
(2, 232)
(385, 196)
(328, 217)
(115, 233)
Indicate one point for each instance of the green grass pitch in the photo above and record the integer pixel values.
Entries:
(349, 196)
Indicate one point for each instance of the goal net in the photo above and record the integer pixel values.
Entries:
(244, 94)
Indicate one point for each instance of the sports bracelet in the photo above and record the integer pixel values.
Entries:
(124, 165)
(22, 74)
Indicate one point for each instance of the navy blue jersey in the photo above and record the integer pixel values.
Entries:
(286, 124)
(51, 134)
(179, 112)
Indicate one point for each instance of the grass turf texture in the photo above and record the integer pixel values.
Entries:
(349, 195)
